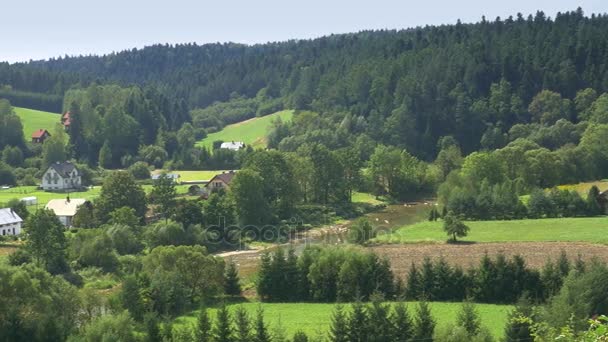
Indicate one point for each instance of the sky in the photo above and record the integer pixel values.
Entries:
(42, 29)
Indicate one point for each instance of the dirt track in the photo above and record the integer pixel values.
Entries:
(535, 253)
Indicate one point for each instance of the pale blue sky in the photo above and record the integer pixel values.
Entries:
(46, 28)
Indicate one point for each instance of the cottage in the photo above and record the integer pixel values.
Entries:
(10, 222)
(220, 181)
(40, 135)
(233, 145)
(65, 209)
(61, 177)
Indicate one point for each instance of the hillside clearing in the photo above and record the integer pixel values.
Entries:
(35, 119)
(251, 132)
(314, 319)
(588, 229)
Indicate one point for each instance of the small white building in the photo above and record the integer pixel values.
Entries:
(172, 176)
(29, 200)
(233, 145)
(61, 177)
(10, 222)
(65, 209)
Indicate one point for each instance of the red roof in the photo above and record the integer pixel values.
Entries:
(65, 119)
(39, 133)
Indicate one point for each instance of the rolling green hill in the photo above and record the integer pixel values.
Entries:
(34, 119)
(251, 132)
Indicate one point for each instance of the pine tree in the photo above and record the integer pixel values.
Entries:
(357, 323)
(468, 318)
(563, 264)
(261, 330)
(402, 323)
(424, 323)
(519, 322)
(223, 326)
(105, 156)
(593, 206)
(380, 325)
(338, 331)
(203, 326)
(243, 325)
(232, 286)
(413, 288)
(300, 336)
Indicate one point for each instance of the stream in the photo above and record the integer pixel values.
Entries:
(384, 221)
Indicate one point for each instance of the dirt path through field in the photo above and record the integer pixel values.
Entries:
(535, 253)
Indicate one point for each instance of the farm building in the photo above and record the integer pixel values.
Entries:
(65, 120)
(233, 145)
(10, 222)
(65, 209)
(602, 199)
(61, 177)
(29, 200)
(40, 135)
(220, 181)
(173, 176)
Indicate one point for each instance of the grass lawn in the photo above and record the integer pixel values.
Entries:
(251, 132)
(588, 229)
(314, 319)
(192, 175)
(44, 197)
(34, 119)
(363, 197)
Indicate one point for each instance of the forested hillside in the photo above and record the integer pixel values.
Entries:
(404, 88)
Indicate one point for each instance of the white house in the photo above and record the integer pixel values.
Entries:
(233, 145)
(65, 209)
(61, 177)
(10, 222)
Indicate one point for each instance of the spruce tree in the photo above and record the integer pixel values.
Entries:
(223, 326)
(413, 288)
(261, 330)
(519, 322)
(424, 323)
(380, 325)
(402, 323)
(232, 286)
(203, 326)
(300, 336)
(593, 206)
(468, 318)
(338, 331)
(563, 264)
(357, 324)
(243, 325)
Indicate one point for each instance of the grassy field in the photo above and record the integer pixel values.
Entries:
(251, 132)
(590, 229)
(314, 319)
(44, 197)
(363, 197)
(192, 175)
(34, 119)
(583, 188)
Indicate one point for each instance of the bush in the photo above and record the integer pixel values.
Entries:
(140, 170)
(361, 231)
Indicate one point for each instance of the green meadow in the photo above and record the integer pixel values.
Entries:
(44, 197)
(314, 319)
(587, 229)
(251, 132)
(34, 119)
